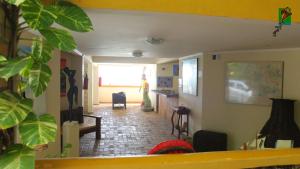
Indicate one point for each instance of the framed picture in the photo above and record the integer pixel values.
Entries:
(190, 76)
(164, 82)
(175, 69)
(253, 82)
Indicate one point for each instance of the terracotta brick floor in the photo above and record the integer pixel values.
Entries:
(125, 132)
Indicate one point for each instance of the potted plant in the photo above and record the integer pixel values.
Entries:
(32, 72)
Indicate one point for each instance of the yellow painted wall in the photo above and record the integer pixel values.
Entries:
(246, 9)
(132, 94)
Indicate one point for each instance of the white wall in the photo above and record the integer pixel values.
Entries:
(193, 102)
(90, 86)
(95, 84)
(130, 60)
(241, 122)
(49, 101)
(88, 95)
(53, 100)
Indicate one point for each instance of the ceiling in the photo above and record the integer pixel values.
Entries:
(119, 33)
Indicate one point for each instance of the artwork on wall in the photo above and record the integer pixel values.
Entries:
(253, 82)
(284, 18)
(190, 76)
(175, 69)
(63, 78)
(164, 82)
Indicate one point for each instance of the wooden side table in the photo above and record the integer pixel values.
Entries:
(180, 112)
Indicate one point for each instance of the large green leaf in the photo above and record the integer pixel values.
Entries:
(59, 38)
(15, 2)
(26, 70)
(13, 67)
(41, 51)
(3, 60)
(39, 78)
(17, 156)
(22, 86)
(36, 15)
(38, 130)
(72, 17)
(13, 109)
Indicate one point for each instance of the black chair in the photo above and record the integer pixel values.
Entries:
(206, 141)
(119, 98)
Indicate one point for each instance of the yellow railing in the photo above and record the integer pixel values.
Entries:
(219, 160)
(244, 9)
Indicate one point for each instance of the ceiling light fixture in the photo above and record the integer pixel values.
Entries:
(154, 41)
(137, 53)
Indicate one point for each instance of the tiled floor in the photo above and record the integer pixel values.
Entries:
(125, 132)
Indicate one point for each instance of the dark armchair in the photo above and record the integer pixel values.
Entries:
(118, 98)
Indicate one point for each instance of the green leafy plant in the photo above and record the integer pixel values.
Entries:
(32, 72)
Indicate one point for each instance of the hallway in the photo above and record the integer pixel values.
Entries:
(125, 132)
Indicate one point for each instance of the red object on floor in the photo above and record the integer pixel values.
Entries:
(172, 147)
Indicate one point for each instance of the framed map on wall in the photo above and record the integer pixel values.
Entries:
(253, 82)
(164, 82)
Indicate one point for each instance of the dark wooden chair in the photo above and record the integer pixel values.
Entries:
(84, 128)
(118, 98)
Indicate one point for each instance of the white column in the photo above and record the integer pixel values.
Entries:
(95, 85)
(71, 136)
(85, 92)
(90, 87)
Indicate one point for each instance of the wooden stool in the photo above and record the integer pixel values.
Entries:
(180, 111)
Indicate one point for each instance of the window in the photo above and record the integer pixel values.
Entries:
(122, 74)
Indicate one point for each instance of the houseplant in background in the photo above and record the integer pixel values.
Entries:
(32, 72)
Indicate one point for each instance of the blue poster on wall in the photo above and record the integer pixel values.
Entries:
(176, 70)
